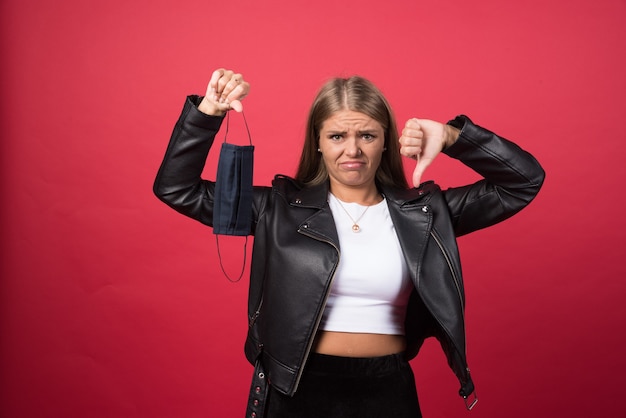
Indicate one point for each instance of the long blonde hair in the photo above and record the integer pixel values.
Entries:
(359, 95)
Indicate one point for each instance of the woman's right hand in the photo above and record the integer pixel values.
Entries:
(224, 92)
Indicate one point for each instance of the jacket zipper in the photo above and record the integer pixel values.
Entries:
(256, 314)
(455, 278)
(449, 263)
(321, 312)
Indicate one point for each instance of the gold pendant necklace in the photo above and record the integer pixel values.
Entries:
(355, 223)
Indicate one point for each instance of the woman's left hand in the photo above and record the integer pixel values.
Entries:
(423, 140)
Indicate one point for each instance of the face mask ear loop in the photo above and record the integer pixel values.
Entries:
(245, 123)
(247, 129)
(227, 123)
(243, 265)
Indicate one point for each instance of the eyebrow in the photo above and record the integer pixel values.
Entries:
(360, 132)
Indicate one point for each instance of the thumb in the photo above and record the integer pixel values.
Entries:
(236, 106)
(420, 167)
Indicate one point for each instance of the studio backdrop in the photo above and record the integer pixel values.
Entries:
(113, 305)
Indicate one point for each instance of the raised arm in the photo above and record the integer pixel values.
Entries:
(178, 182)
(511, 176)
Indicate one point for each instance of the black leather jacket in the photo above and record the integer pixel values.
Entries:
(296, 249)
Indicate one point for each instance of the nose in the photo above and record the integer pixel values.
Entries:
(352, 147)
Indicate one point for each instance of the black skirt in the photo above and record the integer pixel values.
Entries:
(378, 387)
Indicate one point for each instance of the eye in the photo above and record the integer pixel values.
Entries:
(335, 137)
(368, 137)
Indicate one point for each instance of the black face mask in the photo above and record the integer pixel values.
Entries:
(232, 210)
(232, 206)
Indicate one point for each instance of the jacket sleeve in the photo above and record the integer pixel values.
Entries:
(511, 178)
(178, 183)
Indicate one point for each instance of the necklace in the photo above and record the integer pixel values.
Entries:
(355, 222)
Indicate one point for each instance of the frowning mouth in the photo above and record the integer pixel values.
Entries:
(352, 165)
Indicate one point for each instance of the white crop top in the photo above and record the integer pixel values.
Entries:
(372, 286)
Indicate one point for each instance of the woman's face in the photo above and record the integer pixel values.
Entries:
(351, 144)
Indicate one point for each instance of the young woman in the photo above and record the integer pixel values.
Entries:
(351, 268)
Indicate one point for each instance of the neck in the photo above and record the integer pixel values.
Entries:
(362, 195)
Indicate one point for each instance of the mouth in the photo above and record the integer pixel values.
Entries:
(352, 165)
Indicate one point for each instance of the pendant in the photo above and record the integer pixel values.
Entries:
(356, 228)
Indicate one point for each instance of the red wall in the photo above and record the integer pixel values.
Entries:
(112, 305)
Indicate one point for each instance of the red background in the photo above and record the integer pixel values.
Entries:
(112, 305)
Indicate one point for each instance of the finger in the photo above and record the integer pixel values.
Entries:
(227, 83)
(238, 92)
(420, 167)
(221, 81)
(235, 96)
(411, 143)
(413, 123)
(236, 106)
(412, 129)
(410, 146)
(416, 134)
(411, 151)
(417, 173)
(236, 85)
(214, 82)
(228, 92)
(215, 77)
